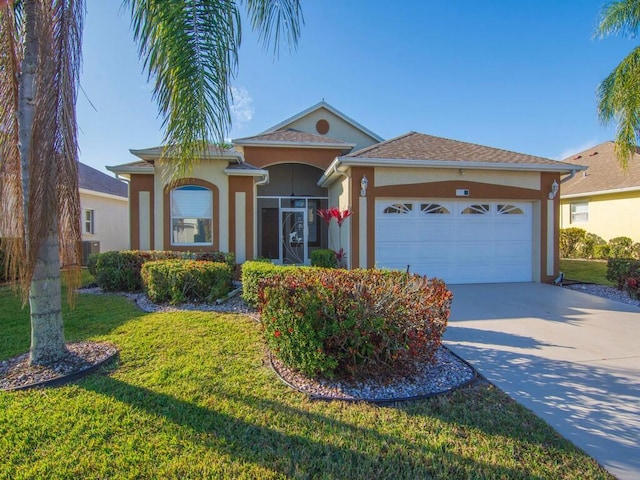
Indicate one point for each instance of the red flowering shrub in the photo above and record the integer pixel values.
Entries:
(352, 323)
(255, 271)
(632, 286)
(339, 216)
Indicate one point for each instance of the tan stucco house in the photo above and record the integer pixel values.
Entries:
(605, 199)
(104, 205)
(459, 211)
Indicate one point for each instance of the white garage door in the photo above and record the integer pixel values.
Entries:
(468, 241)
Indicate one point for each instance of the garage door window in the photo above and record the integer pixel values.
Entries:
(479, 209)
(579, 212)
(433, 209)
(398, 208)
(509, 210)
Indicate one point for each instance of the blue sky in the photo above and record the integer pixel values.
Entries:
(515, 75)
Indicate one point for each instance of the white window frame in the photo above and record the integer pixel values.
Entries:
(581, 215)
(185, 215)
(89, 221)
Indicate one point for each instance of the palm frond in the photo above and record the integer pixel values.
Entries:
(11, 205)
(619, 100)
(276, 21)
(619, 18)
(189, 48)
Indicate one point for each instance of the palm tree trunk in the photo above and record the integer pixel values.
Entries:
(47, 331)
(45, 302)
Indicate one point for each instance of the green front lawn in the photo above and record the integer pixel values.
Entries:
(191, 397)
(589, 271)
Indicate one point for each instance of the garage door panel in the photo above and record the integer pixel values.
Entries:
(493, 244)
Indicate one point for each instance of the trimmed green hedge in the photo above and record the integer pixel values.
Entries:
(325, 258)
(253, 272)
(120, 271)
(352, 323)
(178, 281)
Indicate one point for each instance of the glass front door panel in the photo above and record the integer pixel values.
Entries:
(293, 235)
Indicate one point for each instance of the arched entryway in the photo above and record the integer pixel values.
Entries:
(289, 228)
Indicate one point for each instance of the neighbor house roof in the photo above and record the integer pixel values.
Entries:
(91, 179)
(290, 137)
(605, 175)
(419, 150)
(330, 108)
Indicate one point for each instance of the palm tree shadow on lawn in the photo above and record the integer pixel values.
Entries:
(297, 454)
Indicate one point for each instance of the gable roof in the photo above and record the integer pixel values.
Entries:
(415, 149)
(91, 179)
(293, 138)
(324, 105)
(605, 175)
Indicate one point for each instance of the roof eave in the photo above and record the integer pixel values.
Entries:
(155, 153)
(245, 173)
(334, 168)
(97, 193)
(276, 144)
(400, 162)
(600, 192)
(128, 170)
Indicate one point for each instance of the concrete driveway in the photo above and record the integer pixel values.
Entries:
(570, 357)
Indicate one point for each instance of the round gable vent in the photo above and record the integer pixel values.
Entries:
(322, 127)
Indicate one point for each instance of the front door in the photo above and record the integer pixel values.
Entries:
(293, 235)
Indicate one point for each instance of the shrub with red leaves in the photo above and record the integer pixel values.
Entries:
(352, 323)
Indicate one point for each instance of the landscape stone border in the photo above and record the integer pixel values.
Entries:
(378, 401)
(64, 379)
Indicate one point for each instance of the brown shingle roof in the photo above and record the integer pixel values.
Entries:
(92, 179)
(418, 146)
(604, 173)
(289, 135)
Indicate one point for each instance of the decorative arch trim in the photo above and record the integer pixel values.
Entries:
(166, 215)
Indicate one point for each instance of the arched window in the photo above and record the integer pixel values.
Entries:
(191, 216)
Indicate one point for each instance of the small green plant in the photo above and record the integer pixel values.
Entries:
(620, 247)
(352, 323)
(571, 241)
(601, 252)
(92, 263)
(179, 281)
(588, 247)
(325, 258)
(119, 271)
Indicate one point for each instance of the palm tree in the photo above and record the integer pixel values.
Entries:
(189, 49)
(619, 93)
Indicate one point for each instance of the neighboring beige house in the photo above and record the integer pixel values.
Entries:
(105, 211)
(605, 199)
(444, 208)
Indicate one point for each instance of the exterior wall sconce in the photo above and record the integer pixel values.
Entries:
(554, 190)
(364, 183)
